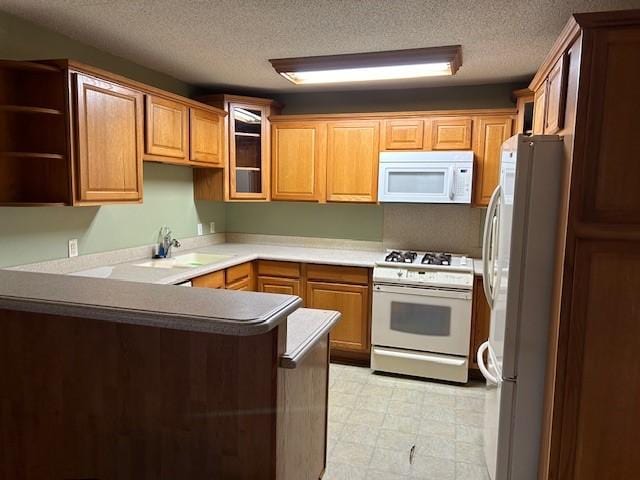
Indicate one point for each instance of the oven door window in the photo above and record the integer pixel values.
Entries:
(420, 319)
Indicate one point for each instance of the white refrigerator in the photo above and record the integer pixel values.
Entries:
(518, 260)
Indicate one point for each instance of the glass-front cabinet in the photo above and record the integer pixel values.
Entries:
(248, 151)
(248, 147)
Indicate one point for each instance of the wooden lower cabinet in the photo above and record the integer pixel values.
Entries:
(352, 301)
(285, 286)
(238, 277)
(210, 280)
(480, 321)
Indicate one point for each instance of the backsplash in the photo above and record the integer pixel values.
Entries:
(449, 228)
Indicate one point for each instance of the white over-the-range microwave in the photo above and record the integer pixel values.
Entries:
(425, 177)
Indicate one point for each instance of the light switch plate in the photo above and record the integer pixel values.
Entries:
(199, 229)
(73, 247)
(212, 227)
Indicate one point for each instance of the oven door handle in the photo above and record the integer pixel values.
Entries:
(421, 292)
(456, 362)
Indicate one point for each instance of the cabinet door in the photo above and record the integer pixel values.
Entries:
(249, 157)
(451, 133)
(109, 129)
(539, 106)
(297, 161)
(480, 318)
(352, 301)
(490, 133)
(239, 275)
(244, 284)
(402, 134)
(210, 280)
(556, 96)
(285, 286)
(206, 137)
(166, 129)
(352, 161)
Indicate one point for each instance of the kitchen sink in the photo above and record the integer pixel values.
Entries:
(188, 260)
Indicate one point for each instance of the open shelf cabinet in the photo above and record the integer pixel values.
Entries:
(34, 153)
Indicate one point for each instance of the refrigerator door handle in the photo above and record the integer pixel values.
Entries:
(487, 278)
(483, 368)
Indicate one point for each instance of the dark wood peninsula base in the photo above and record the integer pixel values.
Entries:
(93, 399)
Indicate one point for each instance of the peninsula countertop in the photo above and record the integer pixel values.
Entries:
(223, 312)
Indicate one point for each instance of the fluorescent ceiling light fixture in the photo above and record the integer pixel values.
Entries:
(362, 67)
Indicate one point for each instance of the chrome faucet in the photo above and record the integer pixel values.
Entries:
(166, 242)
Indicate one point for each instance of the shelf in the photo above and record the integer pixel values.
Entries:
(32, 204)
(246, 134)
(249, 169)
(51, 156)
(24, 109)
(29, 66)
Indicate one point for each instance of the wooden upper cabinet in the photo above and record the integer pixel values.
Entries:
(539, 108)
(352, 161)
(352, 301)
(297, 161)
(490, 133)
(556, 94)
(249, 151)
(401, 134)
(109, 125)
(451, 133)
(166, 129)
(206, 137)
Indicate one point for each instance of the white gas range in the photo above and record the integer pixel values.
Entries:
(422, 314)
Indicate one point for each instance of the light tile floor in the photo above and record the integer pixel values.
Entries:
(375, 419)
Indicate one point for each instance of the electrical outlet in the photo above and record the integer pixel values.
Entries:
(73, 247)
(212, 227)
(199, 229)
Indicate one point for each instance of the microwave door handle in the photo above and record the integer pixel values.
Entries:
(452, 173)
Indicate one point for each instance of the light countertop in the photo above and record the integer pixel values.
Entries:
(239, 253)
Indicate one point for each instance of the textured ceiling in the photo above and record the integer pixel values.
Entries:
(228, 42)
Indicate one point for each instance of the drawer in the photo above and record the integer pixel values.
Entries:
(238, 272)
(210, 280)
(284, 286)
(270, 268)
(243, 284)
(339, 274)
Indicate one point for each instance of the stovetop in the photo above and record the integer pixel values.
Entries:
(437, 260)
(427, 269)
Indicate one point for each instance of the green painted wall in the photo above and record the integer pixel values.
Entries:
(41, 233)
(354, 222)
(36, 234)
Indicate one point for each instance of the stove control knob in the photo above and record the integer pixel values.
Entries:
(399, 273)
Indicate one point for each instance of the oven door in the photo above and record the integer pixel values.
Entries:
(408, 182)
(424, 319)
